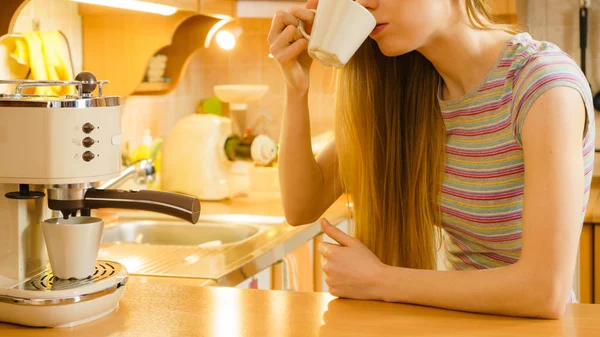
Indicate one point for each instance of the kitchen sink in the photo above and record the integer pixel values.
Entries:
(177, 233)
(226, 248)
(212, 230)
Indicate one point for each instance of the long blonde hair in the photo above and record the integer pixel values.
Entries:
(390, 140)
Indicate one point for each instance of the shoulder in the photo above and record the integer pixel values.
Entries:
(538, 66)
(536, 63)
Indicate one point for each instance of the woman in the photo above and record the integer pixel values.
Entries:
(444, 120)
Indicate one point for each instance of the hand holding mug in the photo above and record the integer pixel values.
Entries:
(339, 28)
(289, 47)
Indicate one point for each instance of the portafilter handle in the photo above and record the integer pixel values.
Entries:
(174, 204)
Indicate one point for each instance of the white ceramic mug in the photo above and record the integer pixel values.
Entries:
(73, 245)
(339, 29)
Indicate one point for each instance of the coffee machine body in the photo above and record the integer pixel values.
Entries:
(64, 144)
(55, 154)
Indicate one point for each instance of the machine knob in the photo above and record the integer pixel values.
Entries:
(87, 142)
(87, 156)
(88, 127)
(89, 80)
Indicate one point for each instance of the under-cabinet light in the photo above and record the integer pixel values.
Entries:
(135, 5)
(225, 39)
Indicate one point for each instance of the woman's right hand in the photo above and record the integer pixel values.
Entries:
(289, 47)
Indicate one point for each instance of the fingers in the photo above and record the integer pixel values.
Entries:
(285, 39)
(328, 249)
(289, 55)
(336, 234)
(281, 20)
(289, 35)
(303, 14)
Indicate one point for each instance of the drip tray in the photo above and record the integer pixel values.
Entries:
(47, 301)
(46, 281)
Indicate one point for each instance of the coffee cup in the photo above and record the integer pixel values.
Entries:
(73, 245)
(339, 29)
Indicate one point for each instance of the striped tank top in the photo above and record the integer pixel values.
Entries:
(482, 192)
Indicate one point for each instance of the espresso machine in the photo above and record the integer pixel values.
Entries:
(57, 157)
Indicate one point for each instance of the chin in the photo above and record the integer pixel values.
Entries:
(392, 50)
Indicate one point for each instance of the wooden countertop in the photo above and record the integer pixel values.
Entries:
(178, 310)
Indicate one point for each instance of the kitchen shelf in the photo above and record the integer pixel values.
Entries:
(118, 44)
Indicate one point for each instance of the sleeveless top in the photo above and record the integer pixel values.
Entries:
(482, 192)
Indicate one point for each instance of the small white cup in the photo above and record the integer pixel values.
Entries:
(73, 245)
(339, 29)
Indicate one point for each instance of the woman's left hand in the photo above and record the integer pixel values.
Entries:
(351, 269)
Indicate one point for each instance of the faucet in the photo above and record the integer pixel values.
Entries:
(141, 172)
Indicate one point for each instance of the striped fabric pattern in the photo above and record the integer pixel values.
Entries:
(482, 193)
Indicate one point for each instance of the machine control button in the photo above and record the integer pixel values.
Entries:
(88, 127)
(116, 140)
(87, 156)
(87, 142)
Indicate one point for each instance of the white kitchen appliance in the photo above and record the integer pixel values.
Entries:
(201, 154)
(204, 157)
(55, 152)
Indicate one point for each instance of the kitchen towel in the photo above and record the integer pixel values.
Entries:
(48, 57)
(9, 67)
(298, 270)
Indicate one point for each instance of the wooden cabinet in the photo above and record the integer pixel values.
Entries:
(186, 5)
(589, 249)
(589, 264)
(117, 46)
(586, 263)
(596, 259)
(222, 7)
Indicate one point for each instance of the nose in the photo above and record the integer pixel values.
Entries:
(369, 4)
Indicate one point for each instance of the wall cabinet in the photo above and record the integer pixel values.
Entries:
(186, 5)
(118, 44)
(223, 7)
(220, 7)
